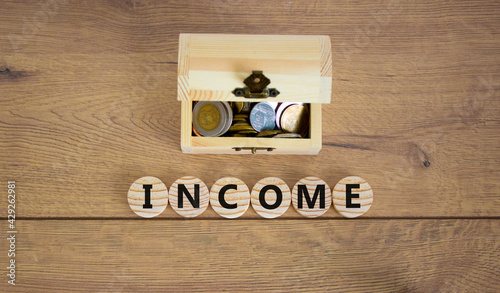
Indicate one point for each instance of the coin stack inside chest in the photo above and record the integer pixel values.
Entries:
(245, 119)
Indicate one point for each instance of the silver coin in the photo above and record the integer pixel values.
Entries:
(287, 135)
(262, 117)
(229, 118)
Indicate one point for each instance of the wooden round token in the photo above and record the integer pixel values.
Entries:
(315, 197)
(352, 197)
(235, 197)
(189, 196)
(148, 197)
(270, 197)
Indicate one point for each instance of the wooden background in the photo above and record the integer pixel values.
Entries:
(88, 105)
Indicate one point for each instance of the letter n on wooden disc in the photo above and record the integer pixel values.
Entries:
(189, 196)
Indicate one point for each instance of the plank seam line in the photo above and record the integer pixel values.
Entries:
(246, 219)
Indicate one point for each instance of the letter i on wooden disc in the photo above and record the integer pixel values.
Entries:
(352, 197)
(270, 197)
(189, 196)
(230, 197)
(311, 197)
(148, 197)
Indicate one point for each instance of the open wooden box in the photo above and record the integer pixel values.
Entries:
(211, 66)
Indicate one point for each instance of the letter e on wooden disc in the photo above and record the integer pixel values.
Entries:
(270, 197)
(189, 196)
(311, 197)
(230, 197)
(148, 197)
(352, 197)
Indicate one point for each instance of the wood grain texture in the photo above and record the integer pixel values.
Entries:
(192, 189)
(211, 66)
(158, 197)
(299, 66)
(362, 197)
(246, 255)
(310, 185)
(90, 98)
(277, 200)
(239, 196)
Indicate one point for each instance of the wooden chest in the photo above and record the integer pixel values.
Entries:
(211, 66)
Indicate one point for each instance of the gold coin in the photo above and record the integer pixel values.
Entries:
(208, 117)
(237, 128)
(240, 117)
(246, 107)
(237, 106)
(247, 132)
(269, 133)
(239, 122)
(295, 119)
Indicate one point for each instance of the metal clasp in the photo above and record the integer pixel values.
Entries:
(253, 149)
(256, 88)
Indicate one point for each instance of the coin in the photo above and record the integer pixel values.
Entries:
(196, 132)
(248, 132)
(208, 117)
(269, 133)
(295, 119)
(287, 135)
(237, 107)
(240, 118)
(247, 106)
(212, 118)
(262, 117)
(240, 127)
(229, 120)
(281, 108)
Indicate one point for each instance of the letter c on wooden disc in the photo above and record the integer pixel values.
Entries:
(235, 197)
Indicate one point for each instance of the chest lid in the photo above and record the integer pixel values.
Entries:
(214, 66)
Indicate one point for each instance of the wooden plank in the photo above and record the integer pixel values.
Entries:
(89, 100)
(153, 26)
(292, 256)
(71, 122)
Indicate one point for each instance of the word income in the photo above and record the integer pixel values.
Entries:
(270, 197)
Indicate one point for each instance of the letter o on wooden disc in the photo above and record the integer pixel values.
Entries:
(352, 197)
(138, 193)
(270, 197)
(189, 196)
(315, 197)
(230, 197)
